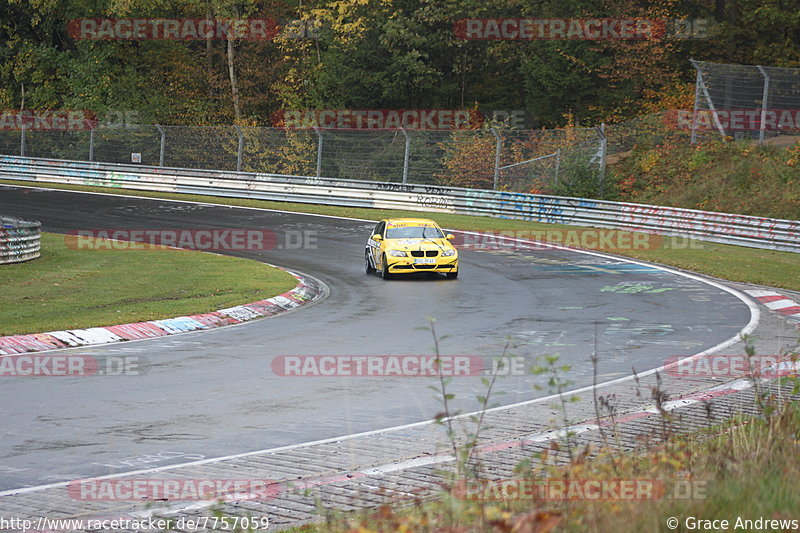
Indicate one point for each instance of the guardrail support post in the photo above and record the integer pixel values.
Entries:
(498, 147)
(91, 144)
(163, 144)
(765, 96)
(240, 149)
(407, 153)
(319, 151)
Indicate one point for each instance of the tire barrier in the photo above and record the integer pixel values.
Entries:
(20, 240)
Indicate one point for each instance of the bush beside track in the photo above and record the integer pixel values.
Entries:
(69, 289)
(731, 177)
(735, 263)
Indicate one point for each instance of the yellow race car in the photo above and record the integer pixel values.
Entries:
(409, 245)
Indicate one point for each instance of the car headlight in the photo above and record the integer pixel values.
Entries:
(448, 253)
(397, 253)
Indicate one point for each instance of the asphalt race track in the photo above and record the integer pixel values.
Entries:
(214, 393)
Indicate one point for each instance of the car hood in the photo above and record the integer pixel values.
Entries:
(418, 244)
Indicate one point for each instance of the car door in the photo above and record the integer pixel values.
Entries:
(375, 247)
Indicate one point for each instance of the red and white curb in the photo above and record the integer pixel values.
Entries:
(307, 290)
(778, 303)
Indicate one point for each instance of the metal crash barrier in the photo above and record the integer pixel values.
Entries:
(743, 230)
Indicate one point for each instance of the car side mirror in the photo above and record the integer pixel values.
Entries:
(450, 237)
(377, 237)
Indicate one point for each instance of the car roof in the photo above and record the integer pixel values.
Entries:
(421, 220)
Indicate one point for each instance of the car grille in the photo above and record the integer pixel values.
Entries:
(424, 253)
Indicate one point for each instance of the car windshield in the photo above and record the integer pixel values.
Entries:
(413, 232)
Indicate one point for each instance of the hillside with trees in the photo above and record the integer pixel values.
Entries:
(374, 54)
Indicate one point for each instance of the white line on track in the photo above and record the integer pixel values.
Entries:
(755, 315)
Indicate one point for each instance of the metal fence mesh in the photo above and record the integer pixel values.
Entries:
(745, 101)
(738, 101)
(363, 155)
(648, 130)
(109, 143)
(541, 161)
(514, 160)
(278, 151)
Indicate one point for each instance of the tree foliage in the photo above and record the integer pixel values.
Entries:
(374, 54)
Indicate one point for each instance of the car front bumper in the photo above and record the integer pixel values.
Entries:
(399, 265)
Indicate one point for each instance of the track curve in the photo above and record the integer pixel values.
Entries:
(213, 393)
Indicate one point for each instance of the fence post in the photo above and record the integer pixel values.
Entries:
(603, 147)
(240, 149)
(163, 143)
(405, 157)
(765, 95)
(711, 106)
(558, 165)
(319, 151)
(22, 140)
(698, 79)
(498, 147)
(91, 144)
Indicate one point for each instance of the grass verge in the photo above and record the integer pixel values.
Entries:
(731, 177)
(67, 288)
(735, 263)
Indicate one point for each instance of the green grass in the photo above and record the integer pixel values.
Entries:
(735, 263)
(67, 288)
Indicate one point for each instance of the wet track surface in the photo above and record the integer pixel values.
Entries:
(214, 393)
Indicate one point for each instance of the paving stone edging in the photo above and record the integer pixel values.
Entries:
(308, 290)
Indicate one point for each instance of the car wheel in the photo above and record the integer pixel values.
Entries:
(452, 275)
(385, 270)
(367, 265)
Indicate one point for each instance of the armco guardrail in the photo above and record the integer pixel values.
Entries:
(20, 240)
(715, 227)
